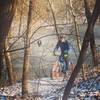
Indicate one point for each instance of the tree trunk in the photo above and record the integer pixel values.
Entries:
(8, 64)
(20, 23)
(66, 3)
(54, 19)
(25, 76)
(92, 39)
(82, 55)
(7, 10)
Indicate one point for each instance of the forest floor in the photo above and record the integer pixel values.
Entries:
(49, 89)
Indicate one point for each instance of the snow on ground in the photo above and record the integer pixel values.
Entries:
(48, 89)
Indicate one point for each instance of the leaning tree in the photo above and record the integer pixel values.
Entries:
(85, 45)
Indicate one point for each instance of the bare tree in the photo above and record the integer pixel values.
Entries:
(8, 63)
(7, 10)
(85, 44)
(20, 22)
(25, 76)
(54, 19)
(92, 39)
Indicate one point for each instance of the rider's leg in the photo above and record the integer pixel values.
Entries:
(63, 66)
(66, 68)
(64, 71)
(67, 63)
